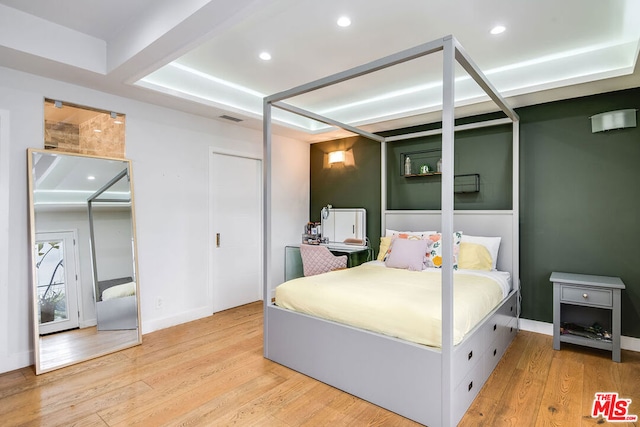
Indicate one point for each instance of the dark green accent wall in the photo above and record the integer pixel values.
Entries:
(579, 193)
(355, 186)
(579, 201)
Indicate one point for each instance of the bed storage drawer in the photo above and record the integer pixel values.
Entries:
(468, 389)
(491, 333)
(497, 347)
(467, 355)
(500, 320)
(501, 332)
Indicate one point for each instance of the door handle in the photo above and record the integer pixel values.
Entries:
(217, 240)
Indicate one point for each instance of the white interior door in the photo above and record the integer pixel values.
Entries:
(236, 218)
(57, 282)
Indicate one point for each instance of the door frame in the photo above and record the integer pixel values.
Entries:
(213, 151)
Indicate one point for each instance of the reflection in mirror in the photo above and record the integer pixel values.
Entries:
(346, 225)
(84, 265)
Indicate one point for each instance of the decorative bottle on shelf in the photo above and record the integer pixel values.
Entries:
(407, 166)
(439, 166)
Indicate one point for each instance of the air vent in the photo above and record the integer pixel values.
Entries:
(233, 119)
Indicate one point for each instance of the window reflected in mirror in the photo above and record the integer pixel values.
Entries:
(77, 129)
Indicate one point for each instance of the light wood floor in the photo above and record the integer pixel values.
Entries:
(211, 373)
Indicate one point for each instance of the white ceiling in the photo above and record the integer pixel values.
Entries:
(202, 56)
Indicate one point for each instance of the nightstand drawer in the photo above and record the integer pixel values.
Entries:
(586, 295)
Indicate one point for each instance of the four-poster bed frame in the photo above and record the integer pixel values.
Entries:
(117, 313)
(429, 385)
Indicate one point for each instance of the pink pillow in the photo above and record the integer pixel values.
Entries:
(408, 254)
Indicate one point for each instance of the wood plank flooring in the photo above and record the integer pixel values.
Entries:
(211, 373)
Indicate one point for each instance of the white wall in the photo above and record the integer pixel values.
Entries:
(169, 153)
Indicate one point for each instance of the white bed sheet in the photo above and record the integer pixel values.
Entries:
(399, 303)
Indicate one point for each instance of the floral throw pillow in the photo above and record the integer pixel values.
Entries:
(434, 256)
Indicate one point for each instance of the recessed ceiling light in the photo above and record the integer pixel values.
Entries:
(265, 56)
(91, 177)
(498, 29)
(344, 21)
(97, 130)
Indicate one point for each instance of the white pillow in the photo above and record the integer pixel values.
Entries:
(119, 291)
(491, 243)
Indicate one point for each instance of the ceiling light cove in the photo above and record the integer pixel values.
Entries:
(498, 29)
(265, 56)
(344, 21)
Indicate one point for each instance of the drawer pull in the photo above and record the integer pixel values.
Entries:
(470, 355)
(470, 386)
(495, 325)
(511, 308)
(585, 296)
(511, 329)
(495, 351)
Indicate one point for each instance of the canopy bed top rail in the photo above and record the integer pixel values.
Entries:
(472, 69)
(361, 70)
(112, 181)
(459, 128)
(326, 120)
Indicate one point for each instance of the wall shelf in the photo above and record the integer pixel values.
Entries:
(467, 183)
(419, 159)
(413, 175)
(463, 183)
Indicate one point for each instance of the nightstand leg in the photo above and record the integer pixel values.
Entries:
(616, 328)
(556, 316)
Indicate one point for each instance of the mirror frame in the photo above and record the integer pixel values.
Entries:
(33, 282)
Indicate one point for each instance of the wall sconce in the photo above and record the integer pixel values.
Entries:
(619, 119)
(339, 158)
(336, 157)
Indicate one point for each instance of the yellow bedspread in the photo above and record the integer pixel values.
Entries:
(400, 303)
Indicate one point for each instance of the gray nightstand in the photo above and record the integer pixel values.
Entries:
(584, 300)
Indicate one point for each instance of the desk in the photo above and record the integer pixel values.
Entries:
(584, 300)
(293, 262)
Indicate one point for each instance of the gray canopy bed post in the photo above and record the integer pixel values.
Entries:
(95, 198)
(429, 385)
(119, 310)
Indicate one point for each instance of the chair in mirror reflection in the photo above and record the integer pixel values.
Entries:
(84, 265)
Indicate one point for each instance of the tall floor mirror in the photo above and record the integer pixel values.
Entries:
(85, 285)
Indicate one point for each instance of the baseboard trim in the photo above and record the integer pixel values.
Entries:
(626, 343)
(16, 361)
(87, 323)
(177, 319)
